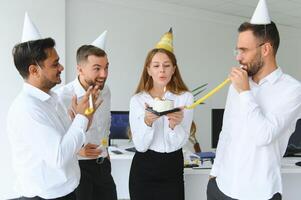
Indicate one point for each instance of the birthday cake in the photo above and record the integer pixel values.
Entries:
(162, 105)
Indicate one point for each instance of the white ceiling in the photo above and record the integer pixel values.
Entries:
(285, 12)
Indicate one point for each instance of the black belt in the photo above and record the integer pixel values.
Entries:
(99, 160)
(70, 196)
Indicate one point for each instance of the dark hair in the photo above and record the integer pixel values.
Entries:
(265, 33)
(85, 51)
(31, 53)
(176, 84)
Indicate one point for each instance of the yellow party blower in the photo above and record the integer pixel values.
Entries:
(201, 100)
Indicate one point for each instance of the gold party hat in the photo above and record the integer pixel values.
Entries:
(166, 42)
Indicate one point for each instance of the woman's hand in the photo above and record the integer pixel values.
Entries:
(175, 118)
(149, 117)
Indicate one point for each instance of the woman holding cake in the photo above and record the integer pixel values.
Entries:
(157, 167)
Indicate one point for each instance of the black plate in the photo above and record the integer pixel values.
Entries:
(150, 109)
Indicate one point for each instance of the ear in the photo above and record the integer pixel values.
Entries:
(79, 69)
(267, 49)
(33, 70)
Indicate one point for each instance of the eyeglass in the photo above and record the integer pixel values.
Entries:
(238, 52)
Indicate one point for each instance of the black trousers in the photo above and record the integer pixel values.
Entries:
(157, 176)
(70, 196)
(96, 181)
(214, 193)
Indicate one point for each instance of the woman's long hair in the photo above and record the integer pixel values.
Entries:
(176, 85)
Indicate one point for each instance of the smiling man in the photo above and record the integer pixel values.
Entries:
(44, 142)
(96, 179)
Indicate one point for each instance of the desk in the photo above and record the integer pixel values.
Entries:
(196, 179)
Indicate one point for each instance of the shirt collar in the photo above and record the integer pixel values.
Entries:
(272, 77)
(78, 88)
(275, 75)
(36, 92)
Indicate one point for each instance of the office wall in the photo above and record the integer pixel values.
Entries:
(203, 41)
(49, 17)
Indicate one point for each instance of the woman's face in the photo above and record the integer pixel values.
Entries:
(161, 69)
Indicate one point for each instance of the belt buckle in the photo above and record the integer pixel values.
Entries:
(100, 160)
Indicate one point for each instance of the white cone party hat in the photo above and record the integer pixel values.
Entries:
(30, 31)
(100, 42)
(261, 14)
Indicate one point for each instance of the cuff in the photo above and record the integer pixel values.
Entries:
(80, 122)
(213, 171)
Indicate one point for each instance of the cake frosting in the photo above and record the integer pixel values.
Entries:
(162, 105)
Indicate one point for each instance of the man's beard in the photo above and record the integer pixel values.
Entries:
(47, 83)
(93, 83)
(254, 66)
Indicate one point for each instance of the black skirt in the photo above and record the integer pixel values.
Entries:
(156, 176)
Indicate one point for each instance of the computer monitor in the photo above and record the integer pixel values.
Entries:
(119, 125)
(294, 143)
(216, 125)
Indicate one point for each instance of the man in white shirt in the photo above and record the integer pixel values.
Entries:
(44, 141)
(96, 179)
(262, 108)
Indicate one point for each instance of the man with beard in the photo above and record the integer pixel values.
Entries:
(44, 141)
(262, 108)
(96, 179)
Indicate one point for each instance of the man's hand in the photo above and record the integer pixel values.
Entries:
(240, 79)
(149, 117)
(71, 113)
(175, 118)
(83, 104)
(90, 151)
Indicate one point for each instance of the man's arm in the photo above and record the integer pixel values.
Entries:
(268, 126)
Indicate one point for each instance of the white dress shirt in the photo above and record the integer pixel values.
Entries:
(256, 128)
(101, 123)
(159, 137)
(44, 144)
